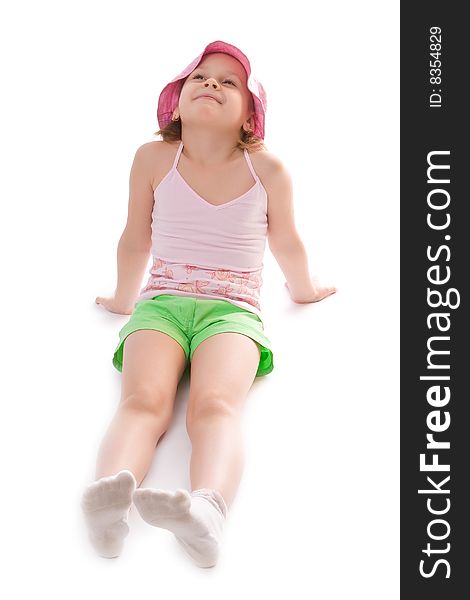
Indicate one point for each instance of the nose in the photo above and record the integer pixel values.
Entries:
(212, 82)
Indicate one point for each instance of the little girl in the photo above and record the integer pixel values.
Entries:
(202, 202)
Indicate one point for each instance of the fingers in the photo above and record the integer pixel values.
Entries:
(325, 292)
(101, 301)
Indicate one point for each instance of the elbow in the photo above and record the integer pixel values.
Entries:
(286, 248)
(140, 244)
(135, 246)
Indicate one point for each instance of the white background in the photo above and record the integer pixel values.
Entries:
(317, 512)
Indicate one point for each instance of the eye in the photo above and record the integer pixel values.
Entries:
(200, 75)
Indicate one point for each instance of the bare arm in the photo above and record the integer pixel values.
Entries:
(134, 246)
(131, 266)
(284, 240)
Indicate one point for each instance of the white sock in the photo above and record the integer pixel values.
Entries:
(105, 504)
(195, 518)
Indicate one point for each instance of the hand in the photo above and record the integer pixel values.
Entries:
(113, 306)
(318, 292)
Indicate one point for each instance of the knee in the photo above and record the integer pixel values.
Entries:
(153, 402)
(209, 405)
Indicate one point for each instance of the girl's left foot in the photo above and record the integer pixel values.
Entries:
(195, 518)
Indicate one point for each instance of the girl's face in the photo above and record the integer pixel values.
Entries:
(224, 78)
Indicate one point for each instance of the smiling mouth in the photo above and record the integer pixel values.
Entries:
(209, 97)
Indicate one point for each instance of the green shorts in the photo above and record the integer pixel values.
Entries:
(190, 320)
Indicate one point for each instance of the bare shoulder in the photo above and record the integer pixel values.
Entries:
(157, 149)
(270, 169)
(158, 157)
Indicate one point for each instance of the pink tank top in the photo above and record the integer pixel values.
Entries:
(207, 251)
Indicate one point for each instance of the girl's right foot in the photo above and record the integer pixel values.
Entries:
(105, 505)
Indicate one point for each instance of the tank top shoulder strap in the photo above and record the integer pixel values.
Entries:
(175, 162)
(249, 163)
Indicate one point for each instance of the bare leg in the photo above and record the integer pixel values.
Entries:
(152, 367)
(153, 364)
(222, 371)
(223, 368)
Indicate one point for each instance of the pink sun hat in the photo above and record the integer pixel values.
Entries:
(169, 97)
